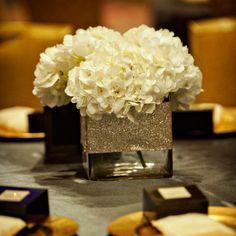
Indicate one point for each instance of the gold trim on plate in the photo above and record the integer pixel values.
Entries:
(26, 135)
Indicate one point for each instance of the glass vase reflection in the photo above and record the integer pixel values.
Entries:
(145, 164)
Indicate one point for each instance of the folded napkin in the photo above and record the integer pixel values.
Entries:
(192, 224)
(10, 225)
(15, 119)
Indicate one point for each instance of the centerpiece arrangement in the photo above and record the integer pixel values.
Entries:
(125, 87)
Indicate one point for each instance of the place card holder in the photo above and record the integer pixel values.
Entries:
(29, 204)
(160, 202)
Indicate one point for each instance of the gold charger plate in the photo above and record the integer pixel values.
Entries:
(20, 135)
(53, 226)
(129, 225)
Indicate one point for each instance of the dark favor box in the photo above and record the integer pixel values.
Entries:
(30, 204)
(36, 122)
(160, 202)
(192, 123)
(62, 134)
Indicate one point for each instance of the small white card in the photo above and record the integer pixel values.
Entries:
(174, 192)
(13, 195)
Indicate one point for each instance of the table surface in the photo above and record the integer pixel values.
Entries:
(209, 163)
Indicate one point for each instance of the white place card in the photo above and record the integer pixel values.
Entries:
(13, 195)
(174, 192)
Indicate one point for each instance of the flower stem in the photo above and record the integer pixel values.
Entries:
(140, 155)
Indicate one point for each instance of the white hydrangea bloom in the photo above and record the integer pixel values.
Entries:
(179, 71)
(84, 42)
(137, 72)
(116, 77)
(52, 71)
(51, 75)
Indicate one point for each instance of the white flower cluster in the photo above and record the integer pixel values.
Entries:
(51, 74)
(103, 71)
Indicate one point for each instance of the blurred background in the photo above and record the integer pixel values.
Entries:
(27, 27)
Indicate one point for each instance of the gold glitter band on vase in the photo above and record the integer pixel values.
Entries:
(111, 134)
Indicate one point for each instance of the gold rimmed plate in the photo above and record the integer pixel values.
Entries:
(52, 226)
(133, 224)
(10, 135)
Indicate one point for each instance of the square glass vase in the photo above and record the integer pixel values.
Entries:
(117, 147)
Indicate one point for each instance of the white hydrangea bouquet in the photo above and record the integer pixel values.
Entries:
(104, 72)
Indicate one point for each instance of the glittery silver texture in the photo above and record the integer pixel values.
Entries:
(111, 134)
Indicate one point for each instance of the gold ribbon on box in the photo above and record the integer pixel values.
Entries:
(111, 134)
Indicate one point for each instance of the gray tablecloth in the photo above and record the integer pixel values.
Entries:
(211, 164)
